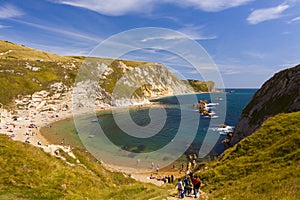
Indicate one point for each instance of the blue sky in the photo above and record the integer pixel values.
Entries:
(249, 40)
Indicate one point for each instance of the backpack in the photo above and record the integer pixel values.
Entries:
(182, 194)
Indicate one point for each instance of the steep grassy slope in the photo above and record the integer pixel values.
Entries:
(280, 94)
(265, 165)
(27, 172)
(16, 79)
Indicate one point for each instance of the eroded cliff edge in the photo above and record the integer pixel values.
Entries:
(280, 94)
(33, 79)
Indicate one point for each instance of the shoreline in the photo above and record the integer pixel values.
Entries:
(166, 96)
(21, 130)
(26, 128)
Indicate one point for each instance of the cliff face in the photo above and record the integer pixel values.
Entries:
(118, 84)
(35, 79)
(280, 94)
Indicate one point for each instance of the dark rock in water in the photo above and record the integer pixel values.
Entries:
(280, 94)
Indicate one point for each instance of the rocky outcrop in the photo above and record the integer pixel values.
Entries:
(123, 85)
(33, 79)
(58, 97)
(280, 94)
(107, 85)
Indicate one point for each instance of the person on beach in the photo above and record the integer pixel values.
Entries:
(27, 140)
(196, 184)
(179, 186)
(151, 176)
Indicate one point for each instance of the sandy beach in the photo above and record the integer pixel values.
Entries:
(25, 127)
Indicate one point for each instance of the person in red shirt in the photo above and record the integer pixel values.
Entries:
(196, 184)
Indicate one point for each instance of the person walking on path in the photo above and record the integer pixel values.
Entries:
(179, 186)
(196, 184)
(187, 186)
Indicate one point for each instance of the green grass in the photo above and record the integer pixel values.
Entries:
(17, 80)
(20, 52)
(27, 172)
(265, 165)
(199, 86)
(22, 81)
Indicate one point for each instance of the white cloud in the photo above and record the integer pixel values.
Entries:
(10, 11)
(164, 37)
(196, 33)
(2, 26)
(265, 14)
(213, 5)
(111, 7)
(294, 20)
(118, 8)
(61, 31)
(191, 31)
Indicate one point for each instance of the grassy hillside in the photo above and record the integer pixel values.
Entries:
(9, 50)
(16, 79)
(265, 165)
(25, 70)
(27, 172)
(200, 86)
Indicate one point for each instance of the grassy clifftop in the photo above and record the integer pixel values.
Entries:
(265, 165)
(27, 172)
(200, 86)
(24, 71)
(9, 50)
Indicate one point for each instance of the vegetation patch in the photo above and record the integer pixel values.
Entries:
(264, 165)
(27, 172)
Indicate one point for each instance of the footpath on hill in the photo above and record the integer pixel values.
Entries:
(202, 196)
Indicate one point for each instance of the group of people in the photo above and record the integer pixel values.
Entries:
(188, 184)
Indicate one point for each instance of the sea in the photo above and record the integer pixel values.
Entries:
(164, 132)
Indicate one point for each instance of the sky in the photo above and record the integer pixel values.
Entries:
(248, 40)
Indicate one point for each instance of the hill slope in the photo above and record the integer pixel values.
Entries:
(27, 172)
(280, 94)
(24, 71)
(265, 165)
(9, 50)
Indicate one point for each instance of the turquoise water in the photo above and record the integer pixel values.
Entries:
(163, 133)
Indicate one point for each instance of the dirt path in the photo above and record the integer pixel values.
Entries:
(202, 196)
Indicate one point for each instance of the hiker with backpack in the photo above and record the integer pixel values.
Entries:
(180, 188)
(187, 185)
(196, 184)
